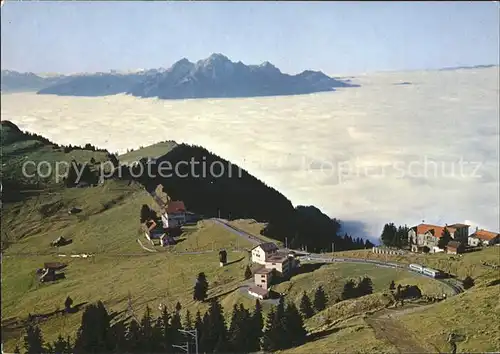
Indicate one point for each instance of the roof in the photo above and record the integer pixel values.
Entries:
(435, 230)
(263, 270)
(277, 258)
(458, 225)
(258, 290)
(453, 244)
(267, 246)
(176, 207)
(485, 235)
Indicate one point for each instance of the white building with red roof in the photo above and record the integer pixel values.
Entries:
(428, 235)
(485, 238)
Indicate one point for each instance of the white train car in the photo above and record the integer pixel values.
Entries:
(416, 268)
(432, 272)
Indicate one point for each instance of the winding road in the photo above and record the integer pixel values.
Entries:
(322, 258)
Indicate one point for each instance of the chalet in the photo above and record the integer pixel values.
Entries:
(483, 237)
(428, 235)
(261, 253)
(174, 215)
(258, 292)
(455, 247)
(263, 277)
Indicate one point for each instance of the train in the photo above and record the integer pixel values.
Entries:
(433, 273)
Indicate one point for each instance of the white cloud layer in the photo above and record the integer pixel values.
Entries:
(369, 155)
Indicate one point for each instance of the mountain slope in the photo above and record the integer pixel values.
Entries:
(13, 81)
(215, 76)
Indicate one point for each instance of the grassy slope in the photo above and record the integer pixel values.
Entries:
(473, 314)
(153, 151)
(109, 227)
(467, 264)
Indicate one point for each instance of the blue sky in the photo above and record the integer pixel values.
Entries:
(335, 37)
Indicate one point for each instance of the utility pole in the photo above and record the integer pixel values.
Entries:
(193, 333)
(333, 247)
(286, 242)
(184, 347)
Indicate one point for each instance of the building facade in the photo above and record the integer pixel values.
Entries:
(427, 235)
(263, 277)
(262, 252)
(484, 238)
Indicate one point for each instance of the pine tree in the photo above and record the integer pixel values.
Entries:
(72, 175)
(248, 272)
(236, 332)
(320, 299)
(392, 286)
(256, 327)
(162, 327)
(198, 325)
(444, 239)
(306, 306)
(61, 346)
(200, 288)
(294, 329)
(389, 235)
(214, 332)
(133, 337)
(33, 340)
(178, 306)
(93, 334)
(175, 325)
(188, 321)
(146, 330)
(118, 333)
(350, 290)
(365, 287)
(68, 303)
(269, 338)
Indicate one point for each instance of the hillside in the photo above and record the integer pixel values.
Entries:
(128, 278)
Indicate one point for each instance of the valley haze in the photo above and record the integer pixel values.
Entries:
(402, 147)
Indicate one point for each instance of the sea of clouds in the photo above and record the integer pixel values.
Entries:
(379, 153)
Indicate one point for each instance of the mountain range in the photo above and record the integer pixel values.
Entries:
(213, 77)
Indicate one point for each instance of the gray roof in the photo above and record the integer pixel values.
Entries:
(267, 246)
(258, 290)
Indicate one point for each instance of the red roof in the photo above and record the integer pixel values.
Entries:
(435, 230)
(176, 207)
(485, 235)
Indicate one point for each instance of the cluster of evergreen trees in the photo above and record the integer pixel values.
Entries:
(353, 289)
(308, 308)
(87, 174)
(90, 147)
(393, 236)
(247, 332)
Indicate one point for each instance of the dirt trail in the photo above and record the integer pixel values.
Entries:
(387, 327)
